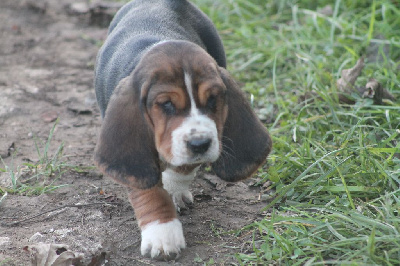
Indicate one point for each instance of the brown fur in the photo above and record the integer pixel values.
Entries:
(246, 142)
(151, 205)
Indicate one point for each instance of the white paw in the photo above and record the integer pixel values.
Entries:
(177, 186)
(163, 241)
(182, 199)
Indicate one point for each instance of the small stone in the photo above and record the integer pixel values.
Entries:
(37, 237)
(79, 8)
(49, 116)
(4, 241)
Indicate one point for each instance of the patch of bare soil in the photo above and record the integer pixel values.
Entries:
(47, 54)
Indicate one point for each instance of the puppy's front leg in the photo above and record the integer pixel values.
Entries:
(162, 234)
(177, 184)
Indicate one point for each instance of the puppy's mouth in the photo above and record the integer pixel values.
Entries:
(195, 159)
(202, 159)
(189, 157)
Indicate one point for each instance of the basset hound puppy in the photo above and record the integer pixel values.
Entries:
(168, 106)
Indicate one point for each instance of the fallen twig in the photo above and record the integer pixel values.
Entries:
(56, 209)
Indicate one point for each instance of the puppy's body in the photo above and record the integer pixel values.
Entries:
(169, 106)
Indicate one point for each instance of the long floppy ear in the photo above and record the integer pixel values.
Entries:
(125, 149)
(245, 141)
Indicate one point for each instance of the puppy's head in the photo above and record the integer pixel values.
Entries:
(179, 108)
(184, 103)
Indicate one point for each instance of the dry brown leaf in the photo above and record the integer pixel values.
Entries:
(373, 89)
(349, 76)
(43, 254)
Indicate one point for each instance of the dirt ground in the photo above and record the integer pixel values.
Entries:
(47, 54)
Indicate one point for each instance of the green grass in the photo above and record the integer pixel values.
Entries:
(335, 167)
(39, 177)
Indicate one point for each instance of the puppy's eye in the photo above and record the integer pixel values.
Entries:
(168, 108)
(212, 103)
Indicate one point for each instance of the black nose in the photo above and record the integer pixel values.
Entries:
(199, 145)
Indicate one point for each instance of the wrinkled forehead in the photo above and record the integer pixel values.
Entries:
(174, 58)
(169, 66)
